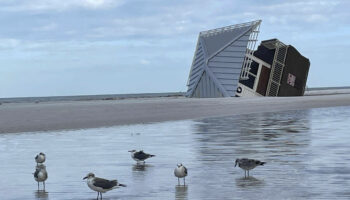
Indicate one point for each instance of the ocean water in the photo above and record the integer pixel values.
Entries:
(307, 155)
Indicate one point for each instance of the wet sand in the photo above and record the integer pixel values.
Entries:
(306, 154)
(47, 116)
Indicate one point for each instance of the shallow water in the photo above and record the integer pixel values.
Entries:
(307, 154)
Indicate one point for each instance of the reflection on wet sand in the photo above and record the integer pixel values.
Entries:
(181, 192)
(140, 167)
(248, 182)
(41, 194)
(249, 135)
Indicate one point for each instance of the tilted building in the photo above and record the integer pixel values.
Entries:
(225, 64)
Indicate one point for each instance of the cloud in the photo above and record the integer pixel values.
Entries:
(9, 43)
(48, 27)
(144, 62)
(57, 5)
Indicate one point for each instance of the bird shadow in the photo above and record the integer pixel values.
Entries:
(181, 192)
(41, 194)
(249, 181)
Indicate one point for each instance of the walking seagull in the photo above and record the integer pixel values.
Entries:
(101, 185)
(40, 174)
(247, 164)
(40, 158)
(140, 156)
(180, 172)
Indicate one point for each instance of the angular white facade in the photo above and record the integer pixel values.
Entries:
(219, 59)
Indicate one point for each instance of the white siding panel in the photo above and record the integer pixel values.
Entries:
(239, 54)
(226, 59)
(227, 75)
(240, 43)
(236, 48)
(227, 81)
(225, 65)
(206, 88)
(225, 70)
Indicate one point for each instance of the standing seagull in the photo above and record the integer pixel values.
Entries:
(180, 172)
(140, 156)
(247, 164)
(40, 174)
(101, 185)
(40, 158)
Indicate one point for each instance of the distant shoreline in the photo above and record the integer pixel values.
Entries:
(309, 91)
(70, 115)
(89, 97)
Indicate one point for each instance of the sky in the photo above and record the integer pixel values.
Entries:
(87, 47)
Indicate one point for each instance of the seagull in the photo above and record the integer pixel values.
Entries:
(139, 156)
(180, 172)
(40, 158)
(40, 174)
(247, 164)
(101, 185)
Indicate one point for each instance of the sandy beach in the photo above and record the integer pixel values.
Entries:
(46, 116)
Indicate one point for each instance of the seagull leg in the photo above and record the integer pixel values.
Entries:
(178, 181)
(101, 195)
(248, 173)
(98, 193)
(184, 181)
(44, 185)
(38, 185)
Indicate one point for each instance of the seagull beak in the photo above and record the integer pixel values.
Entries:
(85, 177)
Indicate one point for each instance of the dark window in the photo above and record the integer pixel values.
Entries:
(254, 68)
(249, 82)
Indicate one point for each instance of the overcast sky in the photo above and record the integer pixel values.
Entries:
(75, 47)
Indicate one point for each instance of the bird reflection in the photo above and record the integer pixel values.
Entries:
(139, 167)
(41, 194)
(181, 192)
(249, 181)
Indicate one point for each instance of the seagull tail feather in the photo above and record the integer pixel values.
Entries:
(121, 185)
(152, 155)
(262, 163)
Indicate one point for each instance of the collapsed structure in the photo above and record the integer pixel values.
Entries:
(225, 64)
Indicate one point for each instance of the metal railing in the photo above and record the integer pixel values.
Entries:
(228, 28)
(277, 68)
(250, 51)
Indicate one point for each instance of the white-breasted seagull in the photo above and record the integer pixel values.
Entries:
(40, 174)
(180, 172)
(101, 185)
(247, 164)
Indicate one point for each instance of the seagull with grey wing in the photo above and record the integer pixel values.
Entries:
(180, 172)
(101, 185)
(247, 164)
(40, 158)
(140, 156)
(40, 174)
